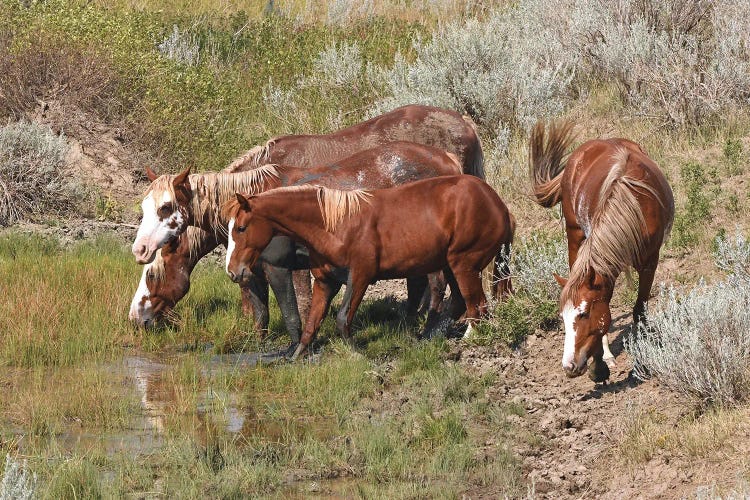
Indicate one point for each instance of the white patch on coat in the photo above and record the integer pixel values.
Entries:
(582, 215)
(569, 315)
(141, 312)
(469, 331)
(152, 232)
(360, 177)
(230, 243)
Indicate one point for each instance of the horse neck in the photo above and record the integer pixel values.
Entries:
(298, 215)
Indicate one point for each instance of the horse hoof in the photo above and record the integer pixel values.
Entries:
(298, 351)
(598, 372)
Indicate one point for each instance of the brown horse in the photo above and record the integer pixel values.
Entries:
(618, 210)
(441, 128)
(380, 167)
(457, 224)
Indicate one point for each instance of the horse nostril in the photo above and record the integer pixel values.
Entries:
(232, 275)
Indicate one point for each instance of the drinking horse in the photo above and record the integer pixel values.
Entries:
(456, 224)
(618, 209)
(199, 196)
(427, 125)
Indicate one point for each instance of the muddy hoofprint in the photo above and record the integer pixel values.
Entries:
(618, 210)
(456, 224)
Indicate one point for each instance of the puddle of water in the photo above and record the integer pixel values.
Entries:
(165, 409)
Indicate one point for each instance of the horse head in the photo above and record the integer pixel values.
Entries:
(163, 283)
(584, 309)
(248, 236)
(166, 213)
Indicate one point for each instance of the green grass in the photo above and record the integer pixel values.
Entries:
(392, 415)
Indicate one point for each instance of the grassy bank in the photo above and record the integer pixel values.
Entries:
(394, 417)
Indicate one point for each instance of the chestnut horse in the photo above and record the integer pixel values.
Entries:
(618, 210)
(384, 166)
(456, 224)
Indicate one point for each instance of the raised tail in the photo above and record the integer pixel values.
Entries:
(501, 285)
(474, 161)
(547, 147)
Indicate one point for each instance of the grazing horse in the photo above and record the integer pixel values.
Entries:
(456, 224)
(380, 167)
(618, 210)
(440, 128)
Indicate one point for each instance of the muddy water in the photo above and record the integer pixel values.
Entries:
(164, 410)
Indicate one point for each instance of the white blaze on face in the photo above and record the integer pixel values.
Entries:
(569, 315)
(153, 232)
(140, 312)
(230, 243)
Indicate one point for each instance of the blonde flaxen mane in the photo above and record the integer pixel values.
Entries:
(252, 158)
(616, 241)
(211, 190)
(335, 205)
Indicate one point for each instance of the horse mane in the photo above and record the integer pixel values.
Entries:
(253, 157)
(211, 190)
(157, 271)
(547, 148)
(616, 240)
(334, 204)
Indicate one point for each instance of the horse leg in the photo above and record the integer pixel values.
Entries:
(437, 287)
(255, 301)
(356, 286)
(303, 289)
(645, 280)
(457, 305)
(608, 357)
(415, 289)
(470, 285)
(281, 283)
(324, 289)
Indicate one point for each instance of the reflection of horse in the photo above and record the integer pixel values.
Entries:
(618, 209)
(457, 224)
(197, 198)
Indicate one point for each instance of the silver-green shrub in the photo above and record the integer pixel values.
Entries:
(32, 181)
(698, 343)
(534, 260)
(18, 483)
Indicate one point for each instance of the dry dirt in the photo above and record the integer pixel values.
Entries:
(575, 427)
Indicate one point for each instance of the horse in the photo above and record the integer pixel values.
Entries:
(384, 166)
(427, 125)
(618, 209)
(456, 224)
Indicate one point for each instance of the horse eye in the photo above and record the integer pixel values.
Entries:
(165, 210)
(241, 229)
(583, 315)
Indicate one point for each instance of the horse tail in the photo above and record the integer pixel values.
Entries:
(501, 285)
(474, 162)
(547, 147)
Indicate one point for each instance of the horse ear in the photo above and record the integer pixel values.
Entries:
(560, 280)
(151, 174)
(244, 202)
(181, 178)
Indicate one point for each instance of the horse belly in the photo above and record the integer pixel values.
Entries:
(412, 250)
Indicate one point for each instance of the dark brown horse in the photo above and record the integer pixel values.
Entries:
(457, 224)
(618, 210)
(380, 167)
(441, 128)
